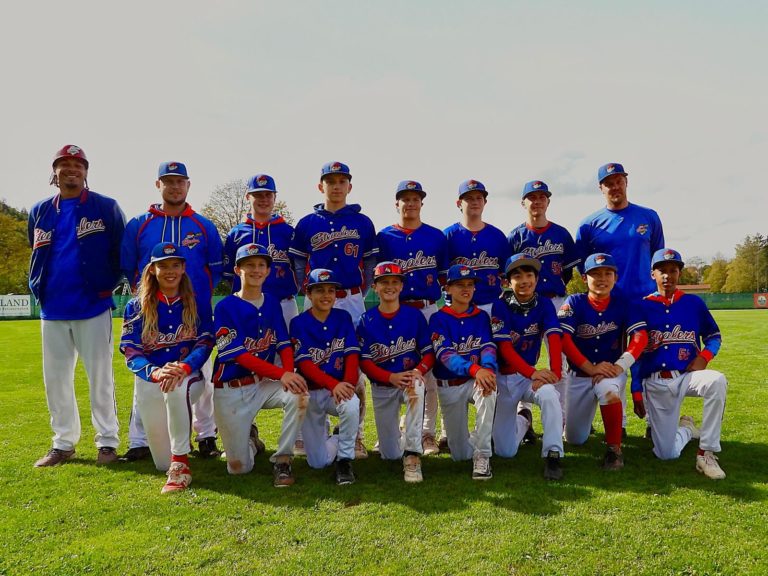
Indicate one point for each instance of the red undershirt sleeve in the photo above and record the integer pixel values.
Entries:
(555, 354)
(637, 343)
(571, 352)
(261, 368)
(286, 357)
(316, 375)
(427, 362)
(514, 360)
(375, 372)
(351, 368)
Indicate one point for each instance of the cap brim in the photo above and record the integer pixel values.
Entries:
(173, 174)
(312, 285)
(532, 262)
(380, 276)
(159, 258)
(547, 192)
(613, 174)
(609, 266)
(401, 192)
(250, 190)
(266, 257)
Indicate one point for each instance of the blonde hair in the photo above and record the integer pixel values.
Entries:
(147, 297)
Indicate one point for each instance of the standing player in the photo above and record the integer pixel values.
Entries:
(74, 266)
(175, 221)
(338, 237)
(683, 338)
(595, 329)
(250, 332)
(327, 355)
(419, 250)
(520, 321)
(465, 369)
(166, 344)
(396, 356)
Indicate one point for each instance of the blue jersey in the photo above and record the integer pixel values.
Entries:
(553, 246)
(524, 331)
(631, 236)
(461, 341)
(601, 336)
(275, 236)
(486, 251)
(338, 241)
(395, 344)
(421, 253)
(678, 331)
(327, 343)
(172, 343)
(242, 327)
(196, 236)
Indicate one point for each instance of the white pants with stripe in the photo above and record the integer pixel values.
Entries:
(386, 411)
(454, 401)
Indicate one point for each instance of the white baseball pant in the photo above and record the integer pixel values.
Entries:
(235, 410)
(509, 427)
(455, 401)
(321, 449)
(168, 416)
(581, 403)
(430, 390)
(663, 400)
(63, 341)
(386, 412)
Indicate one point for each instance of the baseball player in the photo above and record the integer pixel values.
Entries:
(74, 266)
(327, 355)
(396, 353)
(250, 332)
(166, 343)
(683, 338)
(520, 321)
(595, 330)
(175, 221)
(465, 369)
(338, 237)
(419, 250)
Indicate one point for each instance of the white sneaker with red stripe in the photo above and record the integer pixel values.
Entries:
(179, 478)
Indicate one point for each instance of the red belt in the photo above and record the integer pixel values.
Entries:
(343, 293)
(666, 374)
(452, 382)
(419, 304)
(237, 382)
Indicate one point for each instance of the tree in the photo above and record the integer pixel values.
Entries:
(747, 269)
(14, 253)
(716, 274)
(577, 284)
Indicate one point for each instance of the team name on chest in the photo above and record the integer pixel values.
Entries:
(546, 249)
(590, 331)
(471, 344)
(41, 238)
(324, 239)
(675, 336)
(481, 261)
(85, 227)
(321, 355)
(382, 352)
(277, 255)
(165, 339)
(260, 344)
(417, 262)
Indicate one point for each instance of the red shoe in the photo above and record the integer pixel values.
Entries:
(179, 478)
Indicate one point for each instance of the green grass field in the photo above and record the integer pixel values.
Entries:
(651, 518)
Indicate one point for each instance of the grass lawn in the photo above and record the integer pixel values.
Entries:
(651, 518)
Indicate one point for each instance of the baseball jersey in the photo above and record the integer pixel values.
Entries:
(525, 331)
(326, 344)
(193, 233)
(601, 336)
(171, 345)
(275, 235)
(339, 241)
(631, 236)
(421, 253)
(395, 343)
(679, 329)
(551, 245)
(485, 251)
(462, 343)
(242, 327)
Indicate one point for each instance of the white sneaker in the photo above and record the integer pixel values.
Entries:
(707, 465)
(298, 448)
(481, 468)
(687, 422)
(429, 445)
(412, 469)
(179, 478)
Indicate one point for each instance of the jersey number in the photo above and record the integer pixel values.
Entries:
(351, 249)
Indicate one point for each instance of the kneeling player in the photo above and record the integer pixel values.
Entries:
(328, 355)
(465, 370)
(396, 354)
(675, 366)
(595, 329)
(166, 344)
(519, 321)
(250, 331)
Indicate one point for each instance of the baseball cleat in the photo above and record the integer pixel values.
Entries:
(412, 469)
(481, 467)
(530, 436)
(282, 475)
(429, 445)
(207, 448)
(707, 464)
(106, 455)
(344, 473)
(298, 448)
(376, 449)
(648, 432)
(613, 460)
(552, 469)
(257, 443)
(687, 422)
(134, 454)
(442, 443)
(361, 452)
(179, 478)
(54, 457)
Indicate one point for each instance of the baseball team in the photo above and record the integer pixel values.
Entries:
(504, 297)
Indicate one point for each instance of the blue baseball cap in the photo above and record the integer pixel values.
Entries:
(471, 186)
(600, 260)
(335, 168)
(536, 186)
(666, 255)
(164, 251)
(261, 183)
(322, 276)
(409, 186)
(172, 169)
(460, 272)
(609, 170)
(518, 260)
(248, 250)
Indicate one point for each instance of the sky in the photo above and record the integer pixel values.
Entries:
(436, 91)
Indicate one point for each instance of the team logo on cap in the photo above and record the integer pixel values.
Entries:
(173, 166)
(323, 276)
(411, 186)
(464, 271)
(600, 259)
(169, 249)
(472, 184)
(253, 250)
(670, 255)
(73, 150)
(261, 181)
(610, 168)
(335, 167)
(538, 184)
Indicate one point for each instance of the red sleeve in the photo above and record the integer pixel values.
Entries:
(571, 352)
(427, 361)
(637, 343)
(513, 359)
(707, 355)
(555, 354)
(474, 369)
(261, 368)
(286, 357)
(187, 368)
(375, 372)
(313, 373)
(352, 368)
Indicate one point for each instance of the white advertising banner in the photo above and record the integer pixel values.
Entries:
(15, 305)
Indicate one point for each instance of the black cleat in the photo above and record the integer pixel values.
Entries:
(207, 448)
(530, 436)
(552, 469)
(613, 460)
(134, 454)
(344, 473)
